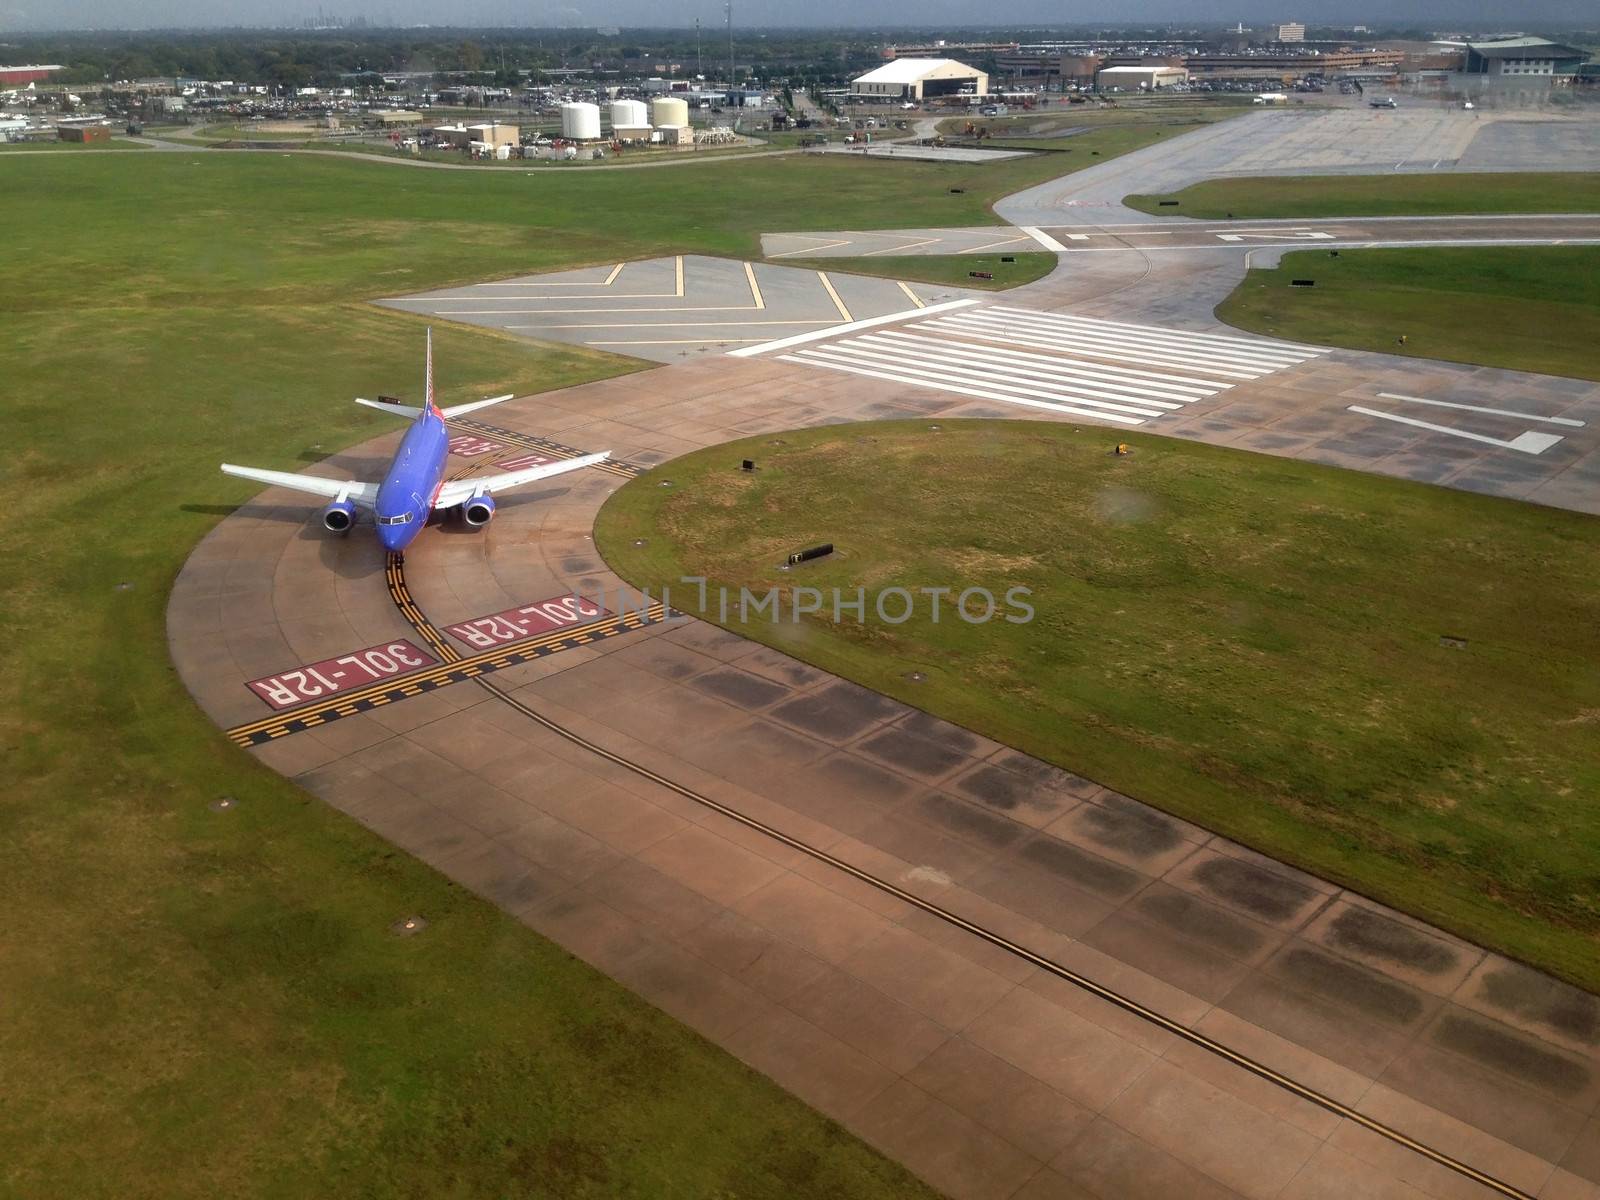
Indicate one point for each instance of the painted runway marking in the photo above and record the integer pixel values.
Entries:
(545, 446)
(468, 446)
(1527, 443)
(256, 733)
(524, 621)
(998, 353)
(1305, 237)
(332, 676)
(526, 460)
(827, 284)
(912, 296)
(869, 323)
(1493, 412)
(1043, 238)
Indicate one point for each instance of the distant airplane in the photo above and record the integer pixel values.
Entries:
(414, 486)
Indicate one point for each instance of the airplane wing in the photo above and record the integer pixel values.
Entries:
(455, 410)
(457, 490)
(364, 495)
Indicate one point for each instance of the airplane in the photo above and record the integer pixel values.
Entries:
(414, 487)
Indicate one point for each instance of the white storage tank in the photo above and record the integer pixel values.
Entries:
(580, 122)
(629, 114)
(668, 112)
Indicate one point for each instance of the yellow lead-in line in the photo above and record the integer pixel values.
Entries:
(910, 295)
(755, 291)
(612, 278)
(1049, 965)
(837, 303)
(677, 270)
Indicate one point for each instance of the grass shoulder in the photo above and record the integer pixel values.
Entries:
(1524, 308)
(1250, 643)
(1399, 195)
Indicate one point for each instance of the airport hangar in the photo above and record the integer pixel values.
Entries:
(920, 79)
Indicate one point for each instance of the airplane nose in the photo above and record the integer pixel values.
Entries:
(392, 538)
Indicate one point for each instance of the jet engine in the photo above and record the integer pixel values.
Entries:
(478, 511)
(338, 516)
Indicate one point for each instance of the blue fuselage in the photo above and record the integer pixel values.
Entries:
(406, 495)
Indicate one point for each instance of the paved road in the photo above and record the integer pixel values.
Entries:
(1308, 142)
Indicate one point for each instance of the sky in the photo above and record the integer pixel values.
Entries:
(24, 15)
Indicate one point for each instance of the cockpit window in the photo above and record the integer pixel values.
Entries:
(399, 519)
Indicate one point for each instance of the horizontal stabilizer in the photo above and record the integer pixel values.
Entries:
(455, 410)
(400, 410)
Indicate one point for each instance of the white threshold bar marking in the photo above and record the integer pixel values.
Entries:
(1043, 238)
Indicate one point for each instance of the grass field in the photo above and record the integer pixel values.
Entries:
(1528, 308)
(199, 1004)
(1251, 643)
(1443, 194)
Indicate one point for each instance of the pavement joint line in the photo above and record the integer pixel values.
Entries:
(868, 323)
(1126, 1003)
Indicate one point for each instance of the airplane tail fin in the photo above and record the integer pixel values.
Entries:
(427, 399)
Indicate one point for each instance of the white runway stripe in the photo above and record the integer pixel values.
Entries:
(1017, 335)
(1150, 344)
(1219, 338)
(977, 393)
(937, 374)
(1080, 366)
(1142, 382)
(1153, 342)
(958, 360)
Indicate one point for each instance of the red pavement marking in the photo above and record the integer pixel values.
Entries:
(514, 624)
(334, 675)
(468, 446)
(527, 460)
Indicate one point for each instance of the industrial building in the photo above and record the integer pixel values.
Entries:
(1523, 57)
(1131, 79)
(83, 133)
(32, 73)
(920, 79)
(941, 48)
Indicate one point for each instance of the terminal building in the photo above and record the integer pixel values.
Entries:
(1523, 57)
(920, 79)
